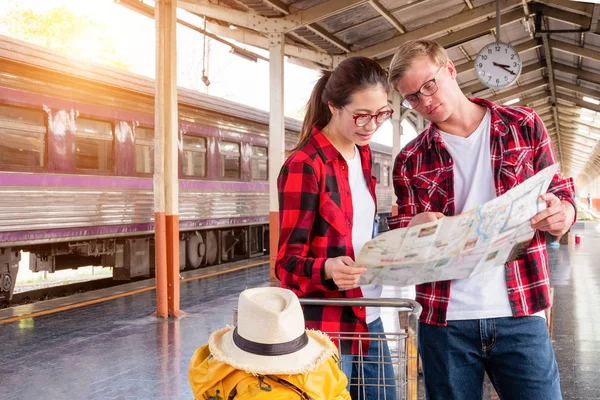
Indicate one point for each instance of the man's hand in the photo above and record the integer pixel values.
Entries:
(343, 272)
(557, 218)
(425, 217)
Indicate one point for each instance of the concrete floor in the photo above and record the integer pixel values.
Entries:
(118, 350)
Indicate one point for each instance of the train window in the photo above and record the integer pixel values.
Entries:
(230, 159)
(377, 172)
(144, 150)
(386, 175)
(22, 137)
(259, 163)
(194, 155)
(93, 145)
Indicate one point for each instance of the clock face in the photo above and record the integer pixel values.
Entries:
(497, 65)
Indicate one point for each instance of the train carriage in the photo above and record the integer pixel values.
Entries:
(76, 169)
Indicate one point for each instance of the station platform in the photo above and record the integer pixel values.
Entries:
(116, 349)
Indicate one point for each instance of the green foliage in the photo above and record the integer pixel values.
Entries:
(63, 30)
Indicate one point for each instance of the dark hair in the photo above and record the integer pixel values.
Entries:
(348, 77)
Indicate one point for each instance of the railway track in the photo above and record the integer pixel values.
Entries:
(64, 293)
(52, 292)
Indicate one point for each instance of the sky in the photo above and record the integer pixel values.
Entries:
(231, 77)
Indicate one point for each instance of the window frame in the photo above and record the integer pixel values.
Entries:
(257, 157)
(110, 171)
(205, 151)
(221, 161)
(135, 144)
(44, 150)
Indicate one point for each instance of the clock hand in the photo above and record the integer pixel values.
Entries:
(500, 65)
(504, 68)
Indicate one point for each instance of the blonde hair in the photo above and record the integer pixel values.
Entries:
(411, 50)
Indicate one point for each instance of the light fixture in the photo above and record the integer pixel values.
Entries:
(591, 100)
(244, 54)
(513, 101)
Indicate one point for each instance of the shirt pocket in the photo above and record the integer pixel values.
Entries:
(331, 220)
(430, 190)
(517, 166)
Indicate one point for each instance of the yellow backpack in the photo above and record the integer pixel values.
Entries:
(211, 379)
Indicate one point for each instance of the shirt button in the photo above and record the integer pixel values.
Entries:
(343, 167)
(349, 222)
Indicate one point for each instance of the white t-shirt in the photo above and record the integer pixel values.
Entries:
(363, 208)
(484, 295)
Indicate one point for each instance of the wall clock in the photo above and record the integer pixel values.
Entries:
(498, 65)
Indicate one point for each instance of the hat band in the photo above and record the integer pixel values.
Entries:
(265, 349)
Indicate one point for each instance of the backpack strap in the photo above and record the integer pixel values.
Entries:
(303, 395)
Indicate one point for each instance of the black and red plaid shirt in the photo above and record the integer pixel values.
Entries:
(424, 181)
(315, 216)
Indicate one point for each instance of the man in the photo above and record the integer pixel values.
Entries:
(472, 152)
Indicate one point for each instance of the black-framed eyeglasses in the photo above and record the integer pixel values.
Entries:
(361, 120)
(429, 88)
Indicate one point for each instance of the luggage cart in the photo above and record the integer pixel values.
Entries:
(401, 340)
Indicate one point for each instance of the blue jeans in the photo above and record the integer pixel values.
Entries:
(516, 353)
(373, 379)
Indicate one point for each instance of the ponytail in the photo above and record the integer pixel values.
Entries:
(317, 111)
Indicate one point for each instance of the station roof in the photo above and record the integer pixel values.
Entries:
(558, 42)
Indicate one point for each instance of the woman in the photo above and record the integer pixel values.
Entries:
(327, 209)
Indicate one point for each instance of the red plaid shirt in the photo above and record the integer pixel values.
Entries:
(424, 181)
(315, 216)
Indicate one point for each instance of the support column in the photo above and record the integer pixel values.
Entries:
(276, 139)
(420, 123)
(166, 179)
(397, 136)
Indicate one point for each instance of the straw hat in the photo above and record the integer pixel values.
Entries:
(270, 337)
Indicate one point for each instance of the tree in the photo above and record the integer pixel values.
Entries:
(63, 30)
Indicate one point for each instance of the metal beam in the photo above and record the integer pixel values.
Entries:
(442, 26)
(563, 15)
(578, 72)
(238, 17)
(148, 11)
(548, 55)
(251, 38)
(387, 15)
(528, 100)
(579, 103)
(569, 5)
(478, 87)
(269, 25)
(328, 37)
(595, 16)
(520, 48)
(278, 5)
(575, 120)
(579, 89)
(519, 89)
(576, 50)
(321, 11)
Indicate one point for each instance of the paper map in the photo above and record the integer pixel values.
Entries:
(460, 246)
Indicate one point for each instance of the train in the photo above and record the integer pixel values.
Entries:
(76, 170)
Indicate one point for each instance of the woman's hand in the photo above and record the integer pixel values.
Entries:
(343, 272)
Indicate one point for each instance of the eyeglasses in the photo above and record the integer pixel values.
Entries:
(429, 88)
(361, 120)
